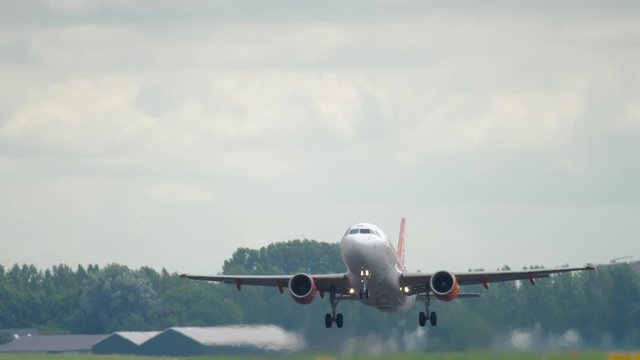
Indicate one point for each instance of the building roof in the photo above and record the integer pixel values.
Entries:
(123, 342)
(136, 337)
(21, 332)
(267, 337)
(53, 343)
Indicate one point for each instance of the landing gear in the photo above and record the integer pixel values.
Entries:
(364, 294)
(329, 319)
(426, 315)
(432, 317)
(365, 274)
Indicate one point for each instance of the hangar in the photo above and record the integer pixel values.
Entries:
(123, 342)
(176, 341)
(228, 340)
(52, 343)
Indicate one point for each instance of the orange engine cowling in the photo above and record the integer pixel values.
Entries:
(302, 288)
(445, 286)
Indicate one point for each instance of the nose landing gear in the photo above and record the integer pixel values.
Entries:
(365, 274)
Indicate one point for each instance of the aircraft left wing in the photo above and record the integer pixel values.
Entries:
(323, 282)
(414, 280)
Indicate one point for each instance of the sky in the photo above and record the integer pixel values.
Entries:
(165, 134)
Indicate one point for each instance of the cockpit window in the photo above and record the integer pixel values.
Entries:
(363, 231)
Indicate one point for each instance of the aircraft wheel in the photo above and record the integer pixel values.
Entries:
(327, 320)
(422, 318)
(433, 318)
(361, 293)
(339, 321)
(366, 293)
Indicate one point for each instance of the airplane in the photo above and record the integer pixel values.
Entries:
(376, 276)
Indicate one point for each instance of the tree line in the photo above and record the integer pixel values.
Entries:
(592, 309)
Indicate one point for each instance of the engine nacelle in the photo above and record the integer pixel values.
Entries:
(302, 288)
(445, 286)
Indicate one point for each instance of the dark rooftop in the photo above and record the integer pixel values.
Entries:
(53, 343)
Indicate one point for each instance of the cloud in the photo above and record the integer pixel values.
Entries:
(526, 120)
(632, 109)
(181, 192)
(274, 103)
(80, 118)
(74, 6)
(238, 122)
(257, 163)
(218, 115)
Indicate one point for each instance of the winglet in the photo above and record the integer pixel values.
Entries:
(403, 223)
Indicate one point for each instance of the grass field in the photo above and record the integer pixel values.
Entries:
(415, 356)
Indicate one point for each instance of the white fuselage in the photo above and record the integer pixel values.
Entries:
(374, 253)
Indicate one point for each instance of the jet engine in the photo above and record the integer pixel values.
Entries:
(445, 286)
(302, 288)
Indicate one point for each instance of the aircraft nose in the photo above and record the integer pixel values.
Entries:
(349, 240)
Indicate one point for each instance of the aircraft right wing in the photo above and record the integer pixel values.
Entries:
(419, 281)
(471, 278)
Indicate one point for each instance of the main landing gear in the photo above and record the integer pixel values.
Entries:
(329, 319)
(433, 318)
(426, 315)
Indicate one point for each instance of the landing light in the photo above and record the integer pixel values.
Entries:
(352, 291)
(406, 289)
(366, 273)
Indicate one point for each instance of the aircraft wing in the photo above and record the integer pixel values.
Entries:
(414, 280)
(323, 282)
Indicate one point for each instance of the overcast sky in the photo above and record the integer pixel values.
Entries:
(169, 134)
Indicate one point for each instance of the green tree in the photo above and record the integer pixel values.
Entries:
(116, 296)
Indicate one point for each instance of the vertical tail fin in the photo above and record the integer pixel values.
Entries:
(403, 222)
